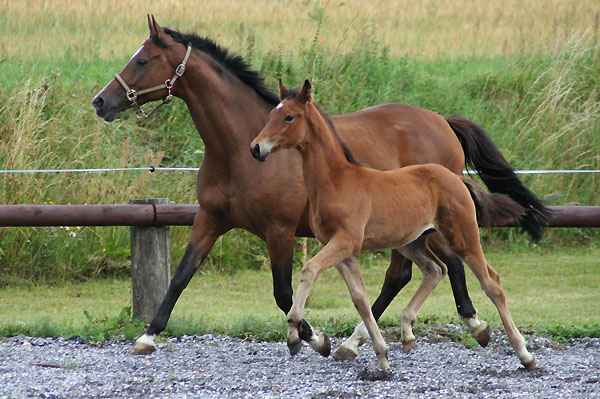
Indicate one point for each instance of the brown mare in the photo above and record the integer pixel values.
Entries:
(229, 105)
(353, 208)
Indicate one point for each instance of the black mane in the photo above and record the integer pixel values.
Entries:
(232, 62)
(347, 153)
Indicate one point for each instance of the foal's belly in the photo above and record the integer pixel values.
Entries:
(391, 238)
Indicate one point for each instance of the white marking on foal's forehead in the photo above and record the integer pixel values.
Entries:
(137, 52)
(279, 106)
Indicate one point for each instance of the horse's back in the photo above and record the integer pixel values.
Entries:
(390, 136)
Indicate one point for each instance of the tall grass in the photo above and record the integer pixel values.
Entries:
(33, 29)
(541, 107)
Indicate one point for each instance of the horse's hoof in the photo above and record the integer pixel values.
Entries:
(294, 346)
(344, 353)
(408, 345)
(142, 349)
(325, 348)
(483, 334)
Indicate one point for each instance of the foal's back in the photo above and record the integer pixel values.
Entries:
(405, 202)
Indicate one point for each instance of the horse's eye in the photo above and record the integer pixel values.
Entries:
(141, 61)
(289, 118)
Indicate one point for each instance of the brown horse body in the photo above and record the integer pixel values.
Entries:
(229, 106)
(353, 207)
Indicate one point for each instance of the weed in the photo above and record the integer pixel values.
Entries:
(122, 326)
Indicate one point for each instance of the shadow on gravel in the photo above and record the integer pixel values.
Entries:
(369, 374)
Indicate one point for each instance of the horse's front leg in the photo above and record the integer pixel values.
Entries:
(331, 254)
(397, 276)
(205, 231)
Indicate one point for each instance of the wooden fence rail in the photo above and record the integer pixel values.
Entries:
(147, 215)
(150, 220)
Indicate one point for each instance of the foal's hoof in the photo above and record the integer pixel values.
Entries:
(482, 334)
(142, 349)
(344, 353)
(530, 366)
(294, 346)
(321, 344)
(408, 345)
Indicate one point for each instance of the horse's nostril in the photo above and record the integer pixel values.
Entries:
(98, 102)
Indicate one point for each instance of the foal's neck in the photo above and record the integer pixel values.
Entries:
(323, 158)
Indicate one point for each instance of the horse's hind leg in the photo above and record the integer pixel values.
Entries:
(280, 243)
(351, 273)
(433, 271)
(397, 276)
(205, 232)
(456, 272)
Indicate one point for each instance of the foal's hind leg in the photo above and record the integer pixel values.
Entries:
(456, 272)
(397, 276)
(351, 273)
(490, 283)
(464, 241)
(433, 271)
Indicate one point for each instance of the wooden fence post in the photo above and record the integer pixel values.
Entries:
(150, 265)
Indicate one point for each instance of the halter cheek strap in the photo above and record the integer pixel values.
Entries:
(133, 94)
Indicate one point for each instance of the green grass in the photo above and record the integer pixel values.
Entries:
(549, 292)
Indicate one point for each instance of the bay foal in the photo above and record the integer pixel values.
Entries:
(353, 207)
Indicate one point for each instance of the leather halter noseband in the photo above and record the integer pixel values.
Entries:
(133, 94)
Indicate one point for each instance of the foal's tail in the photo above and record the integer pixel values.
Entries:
(482, 155)
(493, 209)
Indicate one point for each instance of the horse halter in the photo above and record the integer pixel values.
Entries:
(133, 94)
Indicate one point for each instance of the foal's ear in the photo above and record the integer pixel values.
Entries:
(283, 91)
(156, 32)
(305, 95)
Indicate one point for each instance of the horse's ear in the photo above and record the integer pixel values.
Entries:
(305, 95)
(156, 32)
(283, 91)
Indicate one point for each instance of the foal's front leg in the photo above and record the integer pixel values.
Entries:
(334, 252)
(351, 273)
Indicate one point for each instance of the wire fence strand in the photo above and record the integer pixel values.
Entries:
(153, 169)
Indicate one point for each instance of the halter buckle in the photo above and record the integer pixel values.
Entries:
(131, 95)
(180, 70)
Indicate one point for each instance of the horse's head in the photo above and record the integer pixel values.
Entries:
(286, 126)
(148, 76)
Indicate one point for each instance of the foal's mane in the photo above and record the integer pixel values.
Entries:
(235, 64)
(347, 153)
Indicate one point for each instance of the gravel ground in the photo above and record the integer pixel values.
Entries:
(211, 366)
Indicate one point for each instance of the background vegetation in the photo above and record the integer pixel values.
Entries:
(527, 71)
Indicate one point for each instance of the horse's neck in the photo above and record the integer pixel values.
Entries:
(227, 113)
(323, 159)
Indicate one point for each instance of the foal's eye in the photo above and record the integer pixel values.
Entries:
(141, 61)
(288, 118)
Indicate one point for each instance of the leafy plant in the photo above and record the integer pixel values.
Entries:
(122, 326)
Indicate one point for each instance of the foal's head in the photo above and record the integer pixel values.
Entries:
(286, 127)
(152, 65)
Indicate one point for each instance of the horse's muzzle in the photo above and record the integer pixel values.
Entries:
(103, 110)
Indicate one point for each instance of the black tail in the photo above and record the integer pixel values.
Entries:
(482, 155)
(493, 209)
